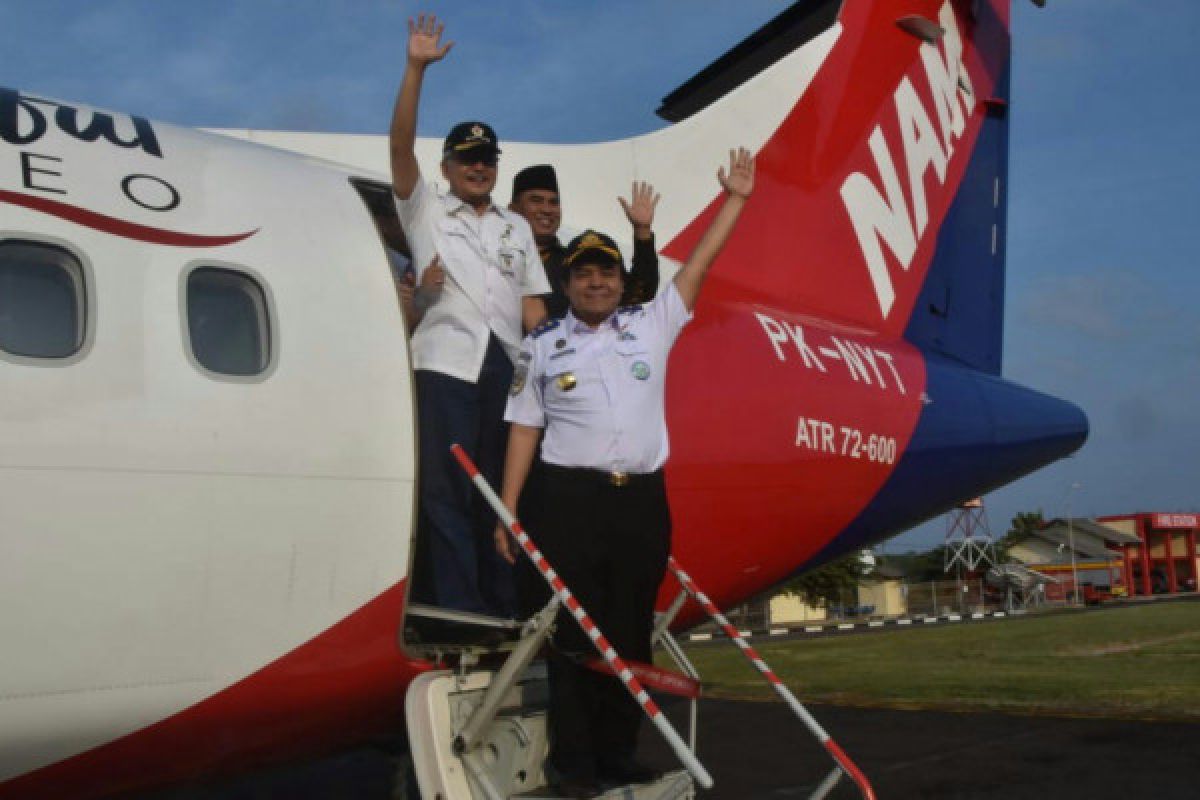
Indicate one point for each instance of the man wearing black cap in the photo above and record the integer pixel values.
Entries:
(594, 383)
(535, 197)
(465, 345)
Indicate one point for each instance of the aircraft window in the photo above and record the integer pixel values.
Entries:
(42, 301)
(227, 322)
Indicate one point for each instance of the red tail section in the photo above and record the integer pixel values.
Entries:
(855, 184)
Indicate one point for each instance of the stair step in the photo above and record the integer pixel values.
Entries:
(671, 786)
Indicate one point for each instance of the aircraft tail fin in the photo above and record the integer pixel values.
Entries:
(960, 310)
(881, 193)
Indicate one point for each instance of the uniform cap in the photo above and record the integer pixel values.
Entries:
(539, 176)
(592, 247)
(470, 136)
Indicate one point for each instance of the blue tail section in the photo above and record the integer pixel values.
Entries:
(960, 311)
(977, 432)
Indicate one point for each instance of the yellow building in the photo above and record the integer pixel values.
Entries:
(881, 594)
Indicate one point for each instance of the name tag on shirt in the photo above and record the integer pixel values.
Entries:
(511, 260)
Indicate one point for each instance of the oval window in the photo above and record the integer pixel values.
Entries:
(227, 322)
(42, 300)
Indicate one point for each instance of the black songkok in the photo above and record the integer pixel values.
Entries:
(540, 176)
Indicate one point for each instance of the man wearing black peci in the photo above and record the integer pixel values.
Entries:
(535, 197)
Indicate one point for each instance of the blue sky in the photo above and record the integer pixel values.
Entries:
(1105, 185)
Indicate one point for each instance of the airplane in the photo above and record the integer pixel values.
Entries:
(207, 470)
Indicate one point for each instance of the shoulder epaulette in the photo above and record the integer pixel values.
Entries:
(548, 325)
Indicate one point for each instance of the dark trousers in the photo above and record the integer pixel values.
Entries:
(457, 562)
(610, 545)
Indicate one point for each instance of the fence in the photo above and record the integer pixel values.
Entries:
(919, 599)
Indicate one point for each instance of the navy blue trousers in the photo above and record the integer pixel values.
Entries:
(461, 569)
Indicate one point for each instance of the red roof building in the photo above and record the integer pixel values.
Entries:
(1164, 560)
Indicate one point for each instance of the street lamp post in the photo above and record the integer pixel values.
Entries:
(1071, 544)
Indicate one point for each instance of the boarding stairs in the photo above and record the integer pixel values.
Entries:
(478, 731)
(1023, 587)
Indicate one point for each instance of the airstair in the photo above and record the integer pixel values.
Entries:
(1023, 587)
(478, 731)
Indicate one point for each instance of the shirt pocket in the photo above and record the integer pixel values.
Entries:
(635, 362)
(512, 262)
(563, 383)
(450, 225)
(632, 348)
(456, 245)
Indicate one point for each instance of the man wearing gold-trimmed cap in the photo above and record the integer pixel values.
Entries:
(588, 401)
(468, 339)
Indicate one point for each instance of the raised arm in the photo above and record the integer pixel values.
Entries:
(738, 183)
(424, 48)
(641, 284)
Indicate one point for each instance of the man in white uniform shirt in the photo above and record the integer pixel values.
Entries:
(590, 388)
(465, 345)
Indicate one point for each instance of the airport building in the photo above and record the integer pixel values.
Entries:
(1076, 549)
(1164, 557)
(1131, 554)
(1123, 555)
(882, 593)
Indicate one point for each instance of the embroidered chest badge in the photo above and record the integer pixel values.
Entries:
(507, 252)
(640, 370)
(520, 374)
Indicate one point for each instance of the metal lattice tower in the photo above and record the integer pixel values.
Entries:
(969, 540)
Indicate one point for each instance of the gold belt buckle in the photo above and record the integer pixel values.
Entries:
(618, 478)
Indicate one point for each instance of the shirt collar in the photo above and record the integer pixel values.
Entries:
(574, 325)
(453, 204)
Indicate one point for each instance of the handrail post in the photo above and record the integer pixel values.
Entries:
(537, 630)
(684, 663)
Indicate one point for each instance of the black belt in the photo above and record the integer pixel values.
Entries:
(607, 477)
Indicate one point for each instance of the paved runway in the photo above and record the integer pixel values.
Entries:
(759, 750)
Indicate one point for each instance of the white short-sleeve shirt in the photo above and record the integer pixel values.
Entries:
(599, 393)
(491, 263)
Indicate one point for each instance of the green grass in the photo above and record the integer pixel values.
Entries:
(1141, 662)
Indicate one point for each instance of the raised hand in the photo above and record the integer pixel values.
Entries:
(739, 181)
(504, 545)
(424, 41)
(640, 210)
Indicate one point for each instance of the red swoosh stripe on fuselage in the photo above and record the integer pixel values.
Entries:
(119, 227)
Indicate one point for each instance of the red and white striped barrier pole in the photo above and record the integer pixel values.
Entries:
(832, 747)
(619, 668)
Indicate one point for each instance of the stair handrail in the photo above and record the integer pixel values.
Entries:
(843, 761)
(599, 641)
